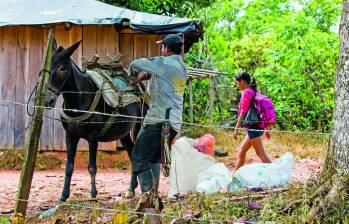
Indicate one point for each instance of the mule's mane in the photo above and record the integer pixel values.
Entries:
(76, 67)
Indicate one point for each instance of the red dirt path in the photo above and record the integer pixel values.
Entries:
(47, 185)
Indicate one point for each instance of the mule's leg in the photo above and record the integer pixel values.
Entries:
(71, 143)
(92, 168)
(128, 144)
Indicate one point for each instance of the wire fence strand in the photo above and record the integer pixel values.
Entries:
(153, 120)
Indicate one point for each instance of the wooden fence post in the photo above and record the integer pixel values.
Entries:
(31, 146)
(211, 97)
(190, 100)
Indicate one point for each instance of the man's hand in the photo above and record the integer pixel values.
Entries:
(141, 76)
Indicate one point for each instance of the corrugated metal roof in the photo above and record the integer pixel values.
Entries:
(81, 12)
(35, 12)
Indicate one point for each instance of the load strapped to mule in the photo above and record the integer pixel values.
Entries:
(112, 79)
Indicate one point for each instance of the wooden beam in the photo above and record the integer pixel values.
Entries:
(190, 82)
(207, 71)
(211, 98)
(31, 147)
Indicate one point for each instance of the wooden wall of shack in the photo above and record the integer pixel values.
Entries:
(21, 52)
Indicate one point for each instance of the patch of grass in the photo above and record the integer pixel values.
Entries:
(121, 164)
(4, 220)
(85, 212)
(218, 206)
(221, 206)
(14, 160)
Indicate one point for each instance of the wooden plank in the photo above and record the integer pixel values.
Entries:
(11, 85)
(61, 35)
(153, 47)
(126, 48)
(107, 41)
(35, 60)
(75, 35)
(112, 40)
(140, 46)
(21, 85)
(3, 108)
(89, 41)
(101, 42)
(9, 66)
(47, 133)
(25, 39)
(1, 36)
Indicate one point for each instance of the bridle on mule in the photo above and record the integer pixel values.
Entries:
(59, 91)
(85, 115)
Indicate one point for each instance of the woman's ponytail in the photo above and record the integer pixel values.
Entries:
(253, 84)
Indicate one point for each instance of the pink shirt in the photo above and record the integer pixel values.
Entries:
(245, 100)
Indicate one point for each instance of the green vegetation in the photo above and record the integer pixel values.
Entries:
(14, 160)
(4, 220)
(291, 47)
(236, 206)
(180, 8)
(246, 206)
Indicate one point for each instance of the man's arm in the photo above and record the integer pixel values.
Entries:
(149, 65)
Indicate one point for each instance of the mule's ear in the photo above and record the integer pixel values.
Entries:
(70, 50)
(54, 45)
(60, 49)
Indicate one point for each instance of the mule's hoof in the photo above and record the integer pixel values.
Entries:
(62, 199)
(94, 194)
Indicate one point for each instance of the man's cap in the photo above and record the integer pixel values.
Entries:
(170, 40)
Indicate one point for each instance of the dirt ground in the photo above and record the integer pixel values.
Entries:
(47, 185)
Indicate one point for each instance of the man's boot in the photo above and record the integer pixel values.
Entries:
(130, 193)
(146, 182)
(157, 203)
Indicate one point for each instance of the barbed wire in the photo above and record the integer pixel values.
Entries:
(223, 86)
(157, 120)
(113, 211)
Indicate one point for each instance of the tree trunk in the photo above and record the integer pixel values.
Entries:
(336, 170)
(337, 160)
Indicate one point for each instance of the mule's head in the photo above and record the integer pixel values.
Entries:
(60, 72)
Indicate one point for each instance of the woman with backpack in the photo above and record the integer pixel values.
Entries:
(254, 132)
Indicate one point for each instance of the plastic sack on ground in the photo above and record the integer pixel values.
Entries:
(186, 164)
(205, 144)
(263, 175)
(214, 178)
